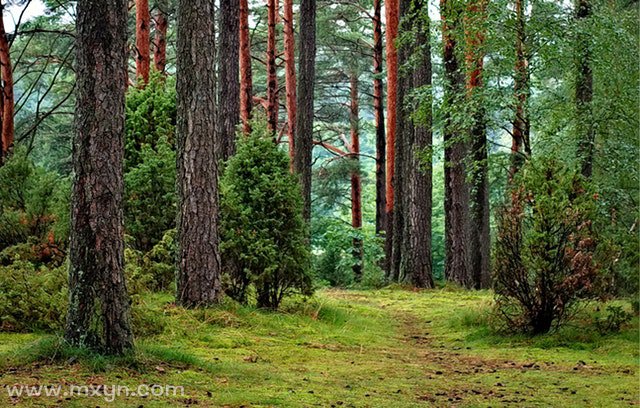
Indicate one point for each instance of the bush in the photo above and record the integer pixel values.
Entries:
(544, 247)
(264, 237)
(154, 270)
(150, 118)
(613, 321)
(34, 207)
(334, 259)
(150, 198)
(32, 298)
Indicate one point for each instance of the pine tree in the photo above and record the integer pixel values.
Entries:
(98, 314)
(198, 281)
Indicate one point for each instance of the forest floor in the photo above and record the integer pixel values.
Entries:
(384, 348)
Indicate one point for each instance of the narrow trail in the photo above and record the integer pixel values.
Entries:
(457, 375)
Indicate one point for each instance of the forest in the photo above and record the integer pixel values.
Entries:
(314, 203)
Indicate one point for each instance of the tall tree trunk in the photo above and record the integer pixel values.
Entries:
(272, 77)
(456, 202)
(304, 100)
(162, 24)
(417, 248)
(356, 183)
(479, 246)
(98, 315)
(246, 79)
(198, 281)
(143, 41)
(229, 82)
(378, 111)
(584, 89)
(392, 20)
(290, 76)
(403, 136)
(6, 73)
(520, 145)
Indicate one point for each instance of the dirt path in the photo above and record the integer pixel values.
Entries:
(458, 375)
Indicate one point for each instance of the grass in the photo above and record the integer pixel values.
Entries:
(385, 348)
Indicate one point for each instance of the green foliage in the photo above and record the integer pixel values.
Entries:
(150, 170)
(264, 237)
(32, 298)
(613, 321)
(153, 270)
(150, 198)
(333, 255)
(150, 118)
(34, 205)
(544, 247)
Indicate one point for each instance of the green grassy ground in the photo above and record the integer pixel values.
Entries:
(387, 348)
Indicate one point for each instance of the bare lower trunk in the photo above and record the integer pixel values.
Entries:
(378, 109)
(520, 146)
(479, 245)
(306, 80)
(162, 24)
(198, 281)
(228, 74)
(456, 202)
(143, 42)
(6, 73)
(290, 76)
(584, 90)
(356, 183)
(98, 315)
(246, 80)
(272, 77)
(391, 14)
(417, 247)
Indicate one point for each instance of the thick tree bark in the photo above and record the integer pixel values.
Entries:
(417, 248)
(356, 183)
(403, 135)
(456, 202)
(7, 102)
(143, 41)
(198, 281)
(98, 314)
(229, 82)
(160, 42)
(479, 233)
(584, 90)
(520, 145)
(378, 111)
(272, 77)
(246, 79)
(306, 80)
(290, 76)
(392, 20)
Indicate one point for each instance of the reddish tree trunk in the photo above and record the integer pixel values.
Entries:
(290, 76)
(6, 72)
(162, 24)
(391, 14)
(246, 79)
(356, 183)
(272, 78)
(143, 25)
(378, 109)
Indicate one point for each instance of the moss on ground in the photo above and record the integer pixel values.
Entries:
(386, 348)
